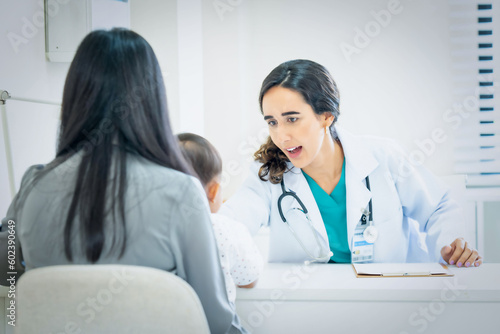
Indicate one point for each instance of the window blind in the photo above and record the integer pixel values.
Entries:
(475, 43)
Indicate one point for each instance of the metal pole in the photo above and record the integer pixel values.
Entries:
(4, 96)
(17, 98)
(8, 152)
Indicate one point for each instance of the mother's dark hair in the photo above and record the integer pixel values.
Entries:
(317, 87)
(114, 105)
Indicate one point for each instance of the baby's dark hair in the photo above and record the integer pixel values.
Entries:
(202, 155)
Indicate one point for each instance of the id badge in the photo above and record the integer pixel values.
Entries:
(362, 251)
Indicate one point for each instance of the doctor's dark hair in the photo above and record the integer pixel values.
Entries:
(202, 155)
(319, 90)
(114, 105)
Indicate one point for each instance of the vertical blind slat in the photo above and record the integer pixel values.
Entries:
(475, 58)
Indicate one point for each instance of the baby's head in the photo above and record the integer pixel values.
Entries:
(207, 164)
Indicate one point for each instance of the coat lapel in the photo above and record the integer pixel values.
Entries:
(360, 162)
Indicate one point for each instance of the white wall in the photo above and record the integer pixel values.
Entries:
(492, 231)
(156, 21)
(25, 73)
(398, 85)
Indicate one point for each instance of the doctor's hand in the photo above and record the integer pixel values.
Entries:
(461, 254)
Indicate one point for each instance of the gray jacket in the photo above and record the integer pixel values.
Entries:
(168, 227)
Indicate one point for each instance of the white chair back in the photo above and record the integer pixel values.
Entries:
(106, 299)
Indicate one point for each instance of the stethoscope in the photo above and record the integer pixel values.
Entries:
(370, 233)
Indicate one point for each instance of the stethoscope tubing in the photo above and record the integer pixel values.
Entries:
(304, 210)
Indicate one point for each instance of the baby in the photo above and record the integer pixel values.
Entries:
(240, 259)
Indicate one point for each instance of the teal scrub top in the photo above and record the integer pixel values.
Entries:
(333, 211)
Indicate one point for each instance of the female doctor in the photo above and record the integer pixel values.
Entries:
(331, 196)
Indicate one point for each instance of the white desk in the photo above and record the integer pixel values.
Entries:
(328, 298)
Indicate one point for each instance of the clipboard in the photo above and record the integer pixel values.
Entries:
(364, 270)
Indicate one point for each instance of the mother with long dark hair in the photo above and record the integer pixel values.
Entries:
(119, 191)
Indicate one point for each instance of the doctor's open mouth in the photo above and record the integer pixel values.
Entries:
(294, 152)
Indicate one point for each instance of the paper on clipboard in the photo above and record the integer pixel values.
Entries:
(401, 270)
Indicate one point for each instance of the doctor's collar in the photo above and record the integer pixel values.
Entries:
(357, 154)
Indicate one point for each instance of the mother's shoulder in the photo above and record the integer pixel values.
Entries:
(149, 174)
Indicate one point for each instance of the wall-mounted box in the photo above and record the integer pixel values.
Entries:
(67, 22)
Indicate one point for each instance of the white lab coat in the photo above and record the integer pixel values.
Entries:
(407, 201)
